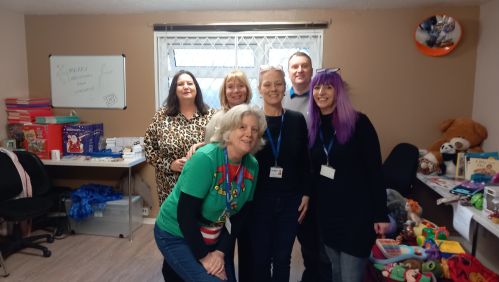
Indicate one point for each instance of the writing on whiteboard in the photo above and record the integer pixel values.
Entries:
(88, 81)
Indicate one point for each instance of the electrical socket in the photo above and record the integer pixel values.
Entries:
(146, 211)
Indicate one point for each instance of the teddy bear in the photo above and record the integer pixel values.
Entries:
(463, 133)
(449, 159)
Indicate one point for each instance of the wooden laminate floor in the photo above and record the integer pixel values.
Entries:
(100, 258)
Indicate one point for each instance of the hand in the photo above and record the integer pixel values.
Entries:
(381, 227)
(303, 208)
(221, 275)
(193, 149)
(214, 263)
(178, 164)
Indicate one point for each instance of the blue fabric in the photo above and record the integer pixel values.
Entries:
(274, 224)
(180, 258)
(89, 197)
(346, 268)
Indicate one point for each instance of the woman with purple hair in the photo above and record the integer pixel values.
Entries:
(346, 165)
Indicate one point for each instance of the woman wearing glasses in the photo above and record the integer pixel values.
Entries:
(280, 199)
(346, 165)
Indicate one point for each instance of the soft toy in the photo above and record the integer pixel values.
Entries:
(463, 133)
(449, 159)
(414, 212)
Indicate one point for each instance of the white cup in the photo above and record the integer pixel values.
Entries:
(55, 155)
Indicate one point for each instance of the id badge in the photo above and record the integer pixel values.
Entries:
(327, 171)
(275, 172)
(228, 225)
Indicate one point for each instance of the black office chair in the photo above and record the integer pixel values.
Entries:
(400, 167)
(18, 210)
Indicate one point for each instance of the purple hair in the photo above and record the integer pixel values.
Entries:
(344, 115)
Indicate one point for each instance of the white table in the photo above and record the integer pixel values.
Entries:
(94, 162)
(442, 186)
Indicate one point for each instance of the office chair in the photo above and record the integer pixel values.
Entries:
(400, 167)
(18, 210)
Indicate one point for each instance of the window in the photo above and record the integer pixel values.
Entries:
(211, 55)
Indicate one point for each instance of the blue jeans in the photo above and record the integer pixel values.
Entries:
(274, 224)
(346, 268)
(179, 256)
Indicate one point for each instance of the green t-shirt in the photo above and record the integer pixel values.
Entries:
(203, 177)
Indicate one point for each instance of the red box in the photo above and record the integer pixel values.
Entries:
(42, 138)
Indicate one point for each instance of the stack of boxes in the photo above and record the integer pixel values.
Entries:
(22, 111)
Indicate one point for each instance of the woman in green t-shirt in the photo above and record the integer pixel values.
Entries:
(198, 222)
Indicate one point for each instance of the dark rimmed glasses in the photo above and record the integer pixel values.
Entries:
(327, 70)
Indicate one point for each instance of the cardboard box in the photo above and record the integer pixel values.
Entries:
(42, 138)
(80, 138)
(110, 221)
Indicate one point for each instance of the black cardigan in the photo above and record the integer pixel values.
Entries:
(350, 204)
(294, 157)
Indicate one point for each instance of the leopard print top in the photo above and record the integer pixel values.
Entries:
(168, 138)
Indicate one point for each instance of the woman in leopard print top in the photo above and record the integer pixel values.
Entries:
(178, 125)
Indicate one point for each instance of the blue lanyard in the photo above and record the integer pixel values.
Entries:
(228, 195)
(327, 149)
(275, 147)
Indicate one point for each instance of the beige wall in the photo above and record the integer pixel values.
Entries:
(486, 99)
(13, 66)
(405, 93)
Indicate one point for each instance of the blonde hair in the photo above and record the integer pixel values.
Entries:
(234, 75)
(232, 119)
(267, 68)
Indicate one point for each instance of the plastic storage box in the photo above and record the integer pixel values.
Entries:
(110, 221)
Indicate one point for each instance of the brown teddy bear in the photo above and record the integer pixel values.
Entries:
(463, 133)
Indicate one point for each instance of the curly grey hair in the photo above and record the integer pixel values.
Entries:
(232, 119)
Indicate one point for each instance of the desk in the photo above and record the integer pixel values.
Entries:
(126, 163)
(442, 186)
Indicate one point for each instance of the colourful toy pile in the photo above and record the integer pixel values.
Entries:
(422, 252)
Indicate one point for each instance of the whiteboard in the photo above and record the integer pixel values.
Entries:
(88, 81)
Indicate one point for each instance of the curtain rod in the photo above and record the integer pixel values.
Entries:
(242, 26)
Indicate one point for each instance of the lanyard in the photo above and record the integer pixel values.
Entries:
(275, 147)
(327, 149)
(228, 195)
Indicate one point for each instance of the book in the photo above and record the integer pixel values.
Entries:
(486, 168)
(460, 165)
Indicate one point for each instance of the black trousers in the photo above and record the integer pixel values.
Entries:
(315, 260)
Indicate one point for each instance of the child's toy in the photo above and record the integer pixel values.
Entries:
(438, 233)
(431, 249)
(388, 247)
(406, 252)
(407, 235)
(412, 264)
(398, 272)
(463, 133)
(477, 201)
(414, 212)
(449, 248)
(449, 160)
(414, 275)
(425, 223)
(432, 266)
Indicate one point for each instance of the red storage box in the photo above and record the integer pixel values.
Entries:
(42, 138)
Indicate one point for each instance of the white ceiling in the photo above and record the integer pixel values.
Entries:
(59, 7)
